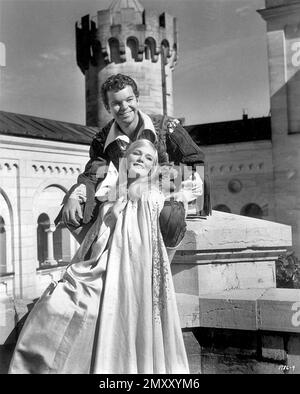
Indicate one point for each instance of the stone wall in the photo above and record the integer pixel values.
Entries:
(242, 174)
(283, 35)
(34, 176)
(224, 351)
(234, 319)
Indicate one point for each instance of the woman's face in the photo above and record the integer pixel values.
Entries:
(140, 161)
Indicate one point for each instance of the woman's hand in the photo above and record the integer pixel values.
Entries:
(114, 211)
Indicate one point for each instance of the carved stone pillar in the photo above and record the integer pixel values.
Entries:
(50, 249)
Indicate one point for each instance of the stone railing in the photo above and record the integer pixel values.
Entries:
(230, 308)
(46, 275)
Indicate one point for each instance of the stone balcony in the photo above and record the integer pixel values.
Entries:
(227, 251)
(225, 279)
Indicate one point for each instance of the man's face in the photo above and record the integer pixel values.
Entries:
(123, 106)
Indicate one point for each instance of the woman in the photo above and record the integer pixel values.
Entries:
(114, 311)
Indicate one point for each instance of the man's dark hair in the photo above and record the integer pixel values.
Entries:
(115, 83)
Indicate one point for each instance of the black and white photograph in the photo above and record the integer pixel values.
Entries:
(150, 189)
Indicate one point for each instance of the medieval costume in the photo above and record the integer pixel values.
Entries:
(173, 144)
(114, 311)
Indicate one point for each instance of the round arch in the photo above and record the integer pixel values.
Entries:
(252, 210)
(133, 45)
(6, 212)
(166, 47)
(51, 203)
(3, 247)
(47, 204)
(44, 185)
(151, 52)
(43, 223)
(114, 50)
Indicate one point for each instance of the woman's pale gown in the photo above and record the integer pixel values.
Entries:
(114, 311)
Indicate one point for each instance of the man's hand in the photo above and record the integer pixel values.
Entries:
(72, 212)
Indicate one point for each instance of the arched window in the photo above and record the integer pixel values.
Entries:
(96, 53)
(3, 247)
(42, 225)
(114, 47)
(62, 244)
(6, 239)
(58, 244)
(222, 208)
(165, 47)
(54, 244)
(252, 210)
(150, 49)
(133, 45)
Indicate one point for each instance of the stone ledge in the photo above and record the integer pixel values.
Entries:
(234, 309)
(197, 279)
(45, 270)
(225, 257)
(226, 232)
(252, 309)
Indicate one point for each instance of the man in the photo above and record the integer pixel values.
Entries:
(121, 98)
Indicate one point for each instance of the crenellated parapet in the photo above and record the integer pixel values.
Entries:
(145, 33)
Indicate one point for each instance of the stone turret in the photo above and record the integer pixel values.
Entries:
(127, 39)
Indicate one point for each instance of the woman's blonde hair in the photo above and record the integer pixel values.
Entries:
(136, 188)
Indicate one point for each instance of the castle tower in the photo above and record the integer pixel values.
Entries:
(283, 31)
(130, 40)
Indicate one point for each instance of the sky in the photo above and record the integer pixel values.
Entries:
(222, 64)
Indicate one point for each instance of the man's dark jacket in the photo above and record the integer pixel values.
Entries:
(174, 145)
